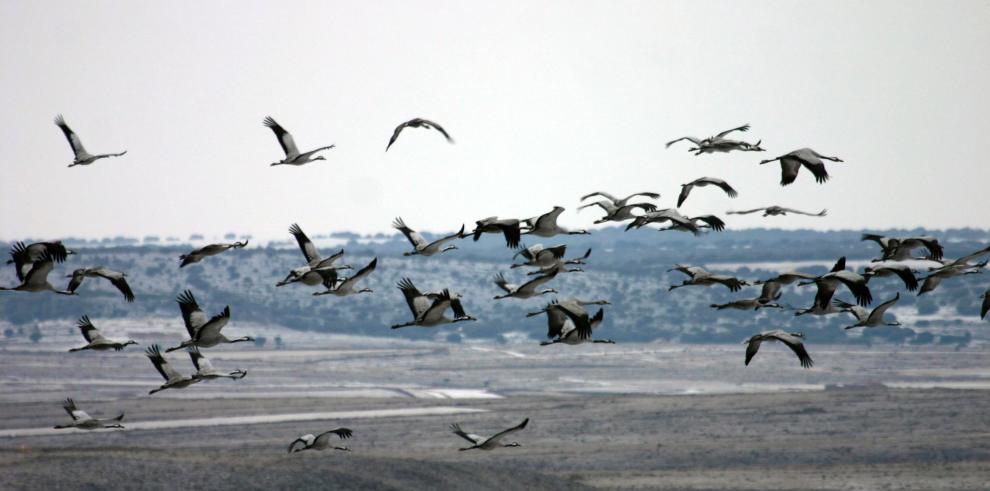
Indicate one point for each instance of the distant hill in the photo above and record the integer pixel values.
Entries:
(629, 269)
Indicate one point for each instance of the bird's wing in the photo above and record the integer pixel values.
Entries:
(745, 212)
(77, 414)
(603, 194)
(577, 315)
(417, 241)
(498, 436)
(395, 134)
(77, 279)
(713, 221)
(309, 250)
(38, 275)
(342, 433)
(877, 314)
(729, 190)
(936, 251)
(752, 347)
(431, 124)
(439, 242)
(799, 212)
(818, 169)
(823, 296)
(503, 283)
(301, 443)
(966, 259)
(161, 364)
(539, 280)
(603, 204)
(412, 295)
(214, 325)
(89, 331)
(328, 277)
(986, 305)
(648, 194)
(74, 141)
(118, 280)
(457, 308)
(770, 291)
(510, 229)
(437, 308)
(744, 127)
(691, 139)
(365, 271)
(795, 344)
(284, 138)
(789, 168)
(199, 361)
(557, 252)
(685, 191)
(856, 284)
(192, 315)
(456, 429)
(20, 256)
(733, 284)
(906, 275)
(547, 220)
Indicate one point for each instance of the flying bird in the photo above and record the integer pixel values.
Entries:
(82, 157)
(346, 286)
(777, 211)
(619, 203)
(292, 155)
(677, 220)
(420, 245)
(719, 143)
(568, 323)
(317, 269)
(205, 370)
(869, 319)
(417, 123)
(36, 278)
(701, 182)
(491, 442)
(95, 340)
(615, 213)
(319, 442)
(203, 332)
(747, 304)
(428, 309)
(711, 222)
(116, 278)
(546, 225)
(793, 340)
(173, 379)
(83, 421)
(701, 277)
(791, 163)
(508, 227)
(900, 248)
(525, 290)
(882, 270)
(23, 256)
(934, 278)
(209, 250)
(828, 283)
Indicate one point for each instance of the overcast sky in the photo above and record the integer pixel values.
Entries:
(547, 101)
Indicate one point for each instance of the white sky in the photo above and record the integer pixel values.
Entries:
(547, 101)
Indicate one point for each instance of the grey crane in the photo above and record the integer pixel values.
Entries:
(873, 318)
(492, 442)
(747, 304)
(420, 246)
(525, 290)
(292, 155)
(791, 163)
(346, 286)
(508, 227)
(772, 211)
(321, 441)
(546, 225)
(173, 379)
(317, 268)
(719, 143)
(81, 156)
(116, 278)
(23, 256)
(205, 370)
(702, 182)
(568, 323)
(793, 340)
(83, 421)
(198, 255)
(36, 278)
(417, 123)
(428, 309)
(678, 220)
(900, 248)
(711, 222)
(95, 340)
(203, 332)
(701, 277)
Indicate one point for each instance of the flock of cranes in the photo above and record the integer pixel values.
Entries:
(568, 320)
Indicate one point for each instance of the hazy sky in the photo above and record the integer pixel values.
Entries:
(547, 101)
